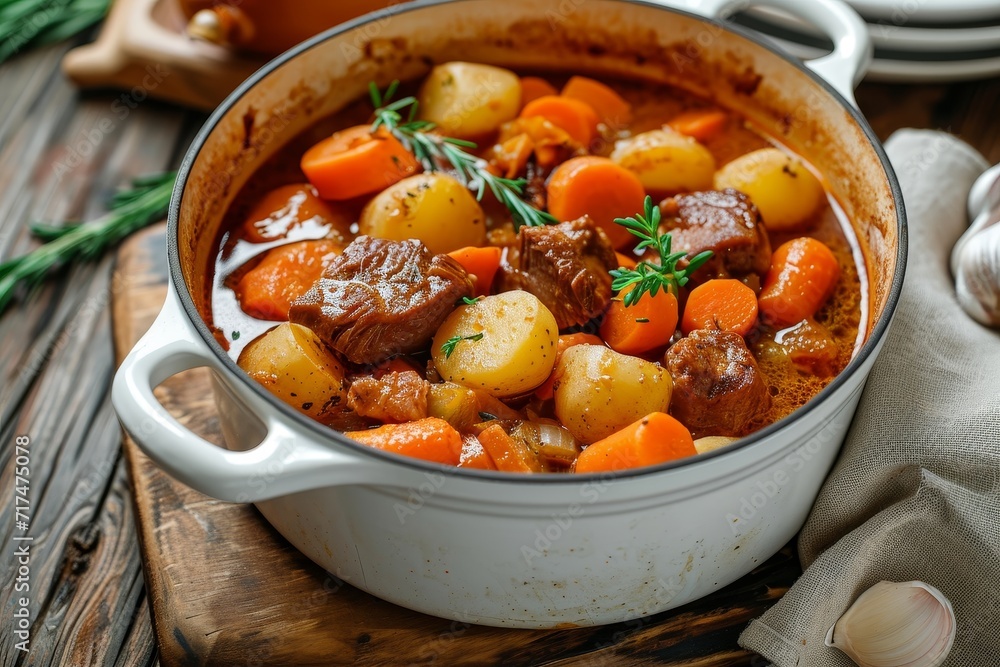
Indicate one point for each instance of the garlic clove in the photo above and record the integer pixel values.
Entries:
(909, 624)
(977, 274)
(975, 259)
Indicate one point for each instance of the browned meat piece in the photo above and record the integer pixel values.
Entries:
(380, 298)
(566, 266)
(725, 222)
(392, 398)
(718, 389)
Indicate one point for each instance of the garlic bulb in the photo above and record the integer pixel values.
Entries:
(975, 259)
(908, 624)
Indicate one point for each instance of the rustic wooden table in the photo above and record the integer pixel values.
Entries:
(62, 153)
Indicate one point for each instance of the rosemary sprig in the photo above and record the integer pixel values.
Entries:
(450, 344)
(434, 151)
(647, 276)
(28, 23)
(129, 211)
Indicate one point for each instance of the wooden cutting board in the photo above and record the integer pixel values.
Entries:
(226, 589)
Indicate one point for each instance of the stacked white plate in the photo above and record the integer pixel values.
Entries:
(915, 40)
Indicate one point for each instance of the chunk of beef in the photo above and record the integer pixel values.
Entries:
(566, 266)
(380, 298)
(725, 222)
(718, 388)
(392, 398)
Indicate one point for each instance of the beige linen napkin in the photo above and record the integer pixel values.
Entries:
(916, 491)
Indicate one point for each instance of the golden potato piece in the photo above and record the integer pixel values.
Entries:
(292, 363)
(467, 100)
(504, 344)
(433, 208)
(786, 193)
(666, 161)
(599, 391)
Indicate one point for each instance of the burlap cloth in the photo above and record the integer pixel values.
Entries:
(915, 494)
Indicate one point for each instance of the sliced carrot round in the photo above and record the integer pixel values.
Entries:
(480, 263)
(430, 439)
(268, 290)
(702, 124)
(533, 87)
(596, 186)
(646, 325)
(357, 161)
(609, 105)
(803, 274)
(724, 304)
(576, 118)
(286, 207)
(654, 439)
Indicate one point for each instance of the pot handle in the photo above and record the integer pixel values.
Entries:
(283, 462)
(852, 46)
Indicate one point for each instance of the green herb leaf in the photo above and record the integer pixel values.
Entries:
(433, 151)
(25, 24)
(450, 344)
(647, 277)
(129, 211)
(236, 335)
(471, 302)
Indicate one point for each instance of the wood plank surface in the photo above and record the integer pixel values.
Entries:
(227, 589)
(60, 158)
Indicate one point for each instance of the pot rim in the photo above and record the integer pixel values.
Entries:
(323, 432)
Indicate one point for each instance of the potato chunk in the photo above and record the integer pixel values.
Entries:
(292, 363)
(666, 161)
(432, 208)
(468, 100)
(504, 344)
(785, 191)
(599, 391)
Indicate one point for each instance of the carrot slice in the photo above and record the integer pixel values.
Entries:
(596, 186)
(547, 389)
(533, 87)
(480, 263)
(613, 111)
(656, 438)
(508, 454)
(802, 277)
(576, 118)
(702, 124)
(723, 304)
(283, 209)
(356, 161)
(268, 290)
(641, 327)
(474, 455)
(430, 439)
(626, 261)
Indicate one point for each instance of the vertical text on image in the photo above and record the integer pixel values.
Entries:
(22, 542)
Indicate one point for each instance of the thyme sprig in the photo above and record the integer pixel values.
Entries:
(435, 151)
(648, 277)
(129, 211)
(449, 345)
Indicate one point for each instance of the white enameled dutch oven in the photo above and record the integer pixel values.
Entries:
(499, 549)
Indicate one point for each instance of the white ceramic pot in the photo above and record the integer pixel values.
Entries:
(497, 549)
